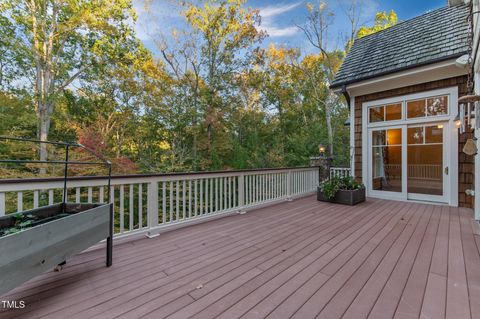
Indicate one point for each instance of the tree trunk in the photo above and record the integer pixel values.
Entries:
(44, 128)
(329, 105)
(329, 129)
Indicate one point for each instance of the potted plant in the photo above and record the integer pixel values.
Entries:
(341, 190)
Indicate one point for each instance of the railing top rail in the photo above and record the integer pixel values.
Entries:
(152, 175)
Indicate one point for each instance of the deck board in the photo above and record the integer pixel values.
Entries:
(300, 259)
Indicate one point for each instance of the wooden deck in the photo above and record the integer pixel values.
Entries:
(300, 259)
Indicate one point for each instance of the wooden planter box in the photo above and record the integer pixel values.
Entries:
(35, 250)
(346, 197)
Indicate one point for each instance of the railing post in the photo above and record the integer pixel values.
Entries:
(289, 186)
(2, 204)
(241, 194)
(152, 208)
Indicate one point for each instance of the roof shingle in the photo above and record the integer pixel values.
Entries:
(432, 37)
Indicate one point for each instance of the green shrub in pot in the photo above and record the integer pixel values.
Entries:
(330, 187)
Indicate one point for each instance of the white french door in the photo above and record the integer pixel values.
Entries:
(409, 162)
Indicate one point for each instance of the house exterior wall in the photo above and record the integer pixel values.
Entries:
(465, 162)
(476, 69)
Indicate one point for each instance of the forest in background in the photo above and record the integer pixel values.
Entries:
(218, 96)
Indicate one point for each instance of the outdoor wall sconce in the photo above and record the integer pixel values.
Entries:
(457, 120)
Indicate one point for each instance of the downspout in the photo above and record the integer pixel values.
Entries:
(350, 122)
(345, 95)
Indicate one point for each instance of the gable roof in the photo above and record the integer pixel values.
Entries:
(435, 36)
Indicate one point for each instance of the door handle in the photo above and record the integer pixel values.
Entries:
(446, 170)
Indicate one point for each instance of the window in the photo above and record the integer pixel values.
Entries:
(432, 106)
(389, 112)
(377, 114)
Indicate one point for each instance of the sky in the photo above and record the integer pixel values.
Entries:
(279, 18)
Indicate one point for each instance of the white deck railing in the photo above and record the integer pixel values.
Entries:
(339, 172)
(149, 203)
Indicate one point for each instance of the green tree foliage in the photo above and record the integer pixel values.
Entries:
(214, 98)
(56, 42)
(383, 20)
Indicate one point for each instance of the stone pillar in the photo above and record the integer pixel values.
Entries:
(323, 163)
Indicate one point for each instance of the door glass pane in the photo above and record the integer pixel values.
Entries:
(434, 134)
(387, 160)
(425, 161)
(379, 138)
(394, 137)
(416, 109)
(415, 135)
(393, 112)
(437, 105)
(377, 114)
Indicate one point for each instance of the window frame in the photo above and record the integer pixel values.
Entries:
(452, 140)
(403, 100)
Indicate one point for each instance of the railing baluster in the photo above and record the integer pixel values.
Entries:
(122, 208)
(164, 202)
(140, 208)
(190, 199)
(101, 194)
(50, 197)
(35, 198)
(184, 200)
(230, 191)
(288, 182)
(262, 187)
(19, 201)
(195, 197)
(211, 195)
(111, 194)
(224, 196)
(89, 195)
(220, 192)
(77, 195)
(2, 204)
(216, 195)
(171, 202)
(177, 201)
(254, 199)
(130, 208)
(201, 196)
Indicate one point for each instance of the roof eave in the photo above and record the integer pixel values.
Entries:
(336, 86)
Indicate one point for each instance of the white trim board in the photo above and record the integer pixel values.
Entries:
(352, 136)
(418, 75)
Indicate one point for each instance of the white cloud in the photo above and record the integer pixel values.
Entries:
(281, 32)
(269, 15)
(272, 11)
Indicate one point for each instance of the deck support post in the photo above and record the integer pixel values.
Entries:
(289, 186)
(241, 194)
(152, 208)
